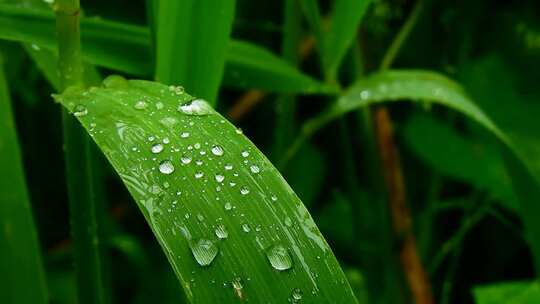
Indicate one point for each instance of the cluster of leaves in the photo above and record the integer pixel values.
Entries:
(465, 125)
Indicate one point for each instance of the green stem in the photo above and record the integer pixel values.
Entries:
(79, 163)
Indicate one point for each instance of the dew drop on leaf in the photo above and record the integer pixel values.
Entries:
(246, 227)
(221, 231)
(228, 167)
(166, 167)
(204, 251)
(185, 159)
(184, 134)
(157, 148)
(196, 107)
(219, 178)
(80, 110)
(245, 153)
(140, 105)
(217, 150)
(244, 190)
(279, 257)
(227, 206)
(255, 169)
(296, 295)
(199, 174)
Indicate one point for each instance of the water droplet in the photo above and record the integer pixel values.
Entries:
(221, 231)
(157, 148)
(239, 131)
(197, 145)
(166, 167)
(228, 167)
(244, 190)
(279, 257)
(288, 221)
(159, 105)
(273, 198)
(166, 140)
(196, 107)
(245, 153)
(217, 150)
(199, 174)
(184, 134)
(219, 178)
(204, 251)
(185, 159)
(80, 110)
(364, 95)
(200, 217)
(140, 105)
(296, 295)
(255, 169)
(246, 227)
(227, 206)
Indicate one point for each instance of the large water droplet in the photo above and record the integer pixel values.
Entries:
(217, 150)
(166, 167)
(279, 257)
(80, 110)
(156, 148)
(204, 251)
(196, 107)
(221, 231)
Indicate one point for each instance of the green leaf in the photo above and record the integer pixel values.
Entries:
(104, 43)
(191, 39)
(312, 14)
(250, 66)
(508, 293)
(344, 23)
(470, 160)
(23, 279)
(229, 224)
(430, 87)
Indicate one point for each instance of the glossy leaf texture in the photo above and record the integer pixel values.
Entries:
(104, 43)
(20, 256)
(191, 43)
(433, 88)
(231, 227)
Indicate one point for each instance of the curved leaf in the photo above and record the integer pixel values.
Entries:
(229, 224)
(431, 87)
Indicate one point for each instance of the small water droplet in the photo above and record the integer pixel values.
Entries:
(204, 251)
(239, 131)
(140, 105)
(159, 105)
(219, 178)
(217, 150)
(364, 95)
(157, 148)
(246, 227)
(196, 107)
(80, 110)
(185, 159)
(279, 257)
(245, 153)
(228, 167)
(237, 286)
(227, 206)
(200, 217)
(288, 221)
(166, 167)
(296, 295)
(244, 190)
(184, 134)
(273, 198)
(221, 231)
(199, 174)
(255, 169)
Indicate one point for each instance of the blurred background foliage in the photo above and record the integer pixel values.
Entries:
(465, 211)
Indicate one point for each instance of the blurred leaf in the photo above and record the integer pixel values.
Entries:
(508, 293)
(456, 156)
(241, 226)
(247, 65)
(430, 87)
(191, 44)
(20, 257)
(336, 219)
(62, 287)
(344, 22)
(312, 14)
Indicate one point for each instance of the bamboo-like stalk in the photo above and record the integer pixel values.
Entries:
(413, 269)
(79, 162)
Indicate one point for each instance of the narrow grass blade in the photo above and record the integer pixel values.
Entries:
(192, 38)
(312, 14)
(430, 87)
(516, 292)
(23, 279)
(247, 66)
(344, 23)
(231, 227)
(250, 66)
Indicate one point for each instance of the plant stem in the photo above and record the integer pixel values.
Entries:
(79, 163)
(415, 273)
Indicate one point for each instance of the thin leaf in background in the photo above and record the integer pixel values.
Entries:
(20, 258)
(191, 44)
